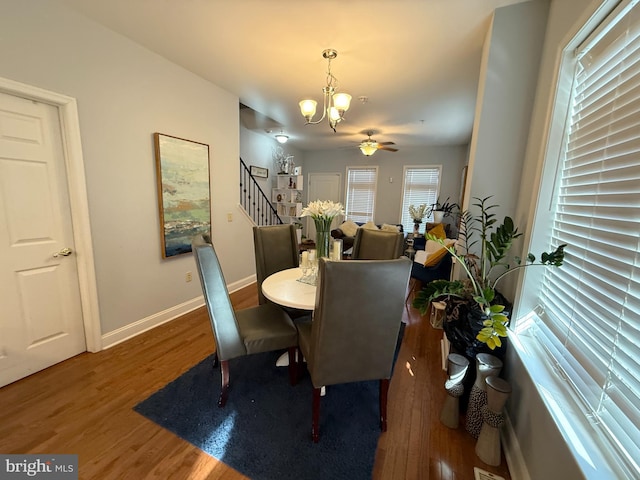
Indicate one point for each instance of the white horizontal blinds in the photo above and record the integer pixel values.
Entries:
(592, 303)
(421, 185)
(361, 193)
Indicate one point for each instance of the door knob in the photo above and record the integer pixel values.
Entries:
(65, 252)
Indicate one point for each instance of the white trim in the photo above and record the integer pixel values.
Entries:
(145, 324)
(136, 328)
(513, 453)
(72, 146)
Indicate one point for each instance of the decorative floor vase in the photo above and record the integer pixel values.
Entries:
(416, 228)
(488, 445)
(486, 366)
(456, 368)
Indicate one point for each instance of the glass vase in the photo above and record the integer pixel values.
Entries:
(323, 237)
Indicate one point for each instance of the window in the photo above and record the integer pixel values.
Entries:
(421, 185)
(361, 193)
(590, 308)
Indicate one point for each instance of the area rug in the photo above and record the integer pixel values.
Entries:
(264, 431)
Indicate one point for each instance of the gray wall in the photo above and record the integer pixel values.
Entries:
(390, 166)
(125, 93)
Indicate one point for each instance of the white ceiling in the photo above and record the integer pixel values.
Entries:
(417, 61)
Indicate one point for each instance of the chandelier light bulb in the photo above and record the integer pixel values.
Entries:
(308, 109)
(342, 101)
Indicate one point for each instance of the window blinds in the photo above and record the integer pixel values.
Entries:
(592, 303)
(421, 185)
(361, 193)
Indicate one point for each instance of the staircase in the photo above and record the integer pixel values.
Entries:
(254, 201)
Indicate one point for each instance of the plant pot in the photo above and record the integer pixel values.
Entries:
(438, 215)
(463, 322)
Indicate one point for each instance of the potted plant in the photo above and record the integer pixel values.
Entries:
(440, 210)
(480, 313)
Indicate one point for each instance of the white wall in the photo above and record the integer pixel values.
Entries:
(508, 76)
(390, 165)
(125, 93)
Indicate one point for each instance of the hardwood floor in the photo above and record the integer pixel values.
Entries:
(85, 406)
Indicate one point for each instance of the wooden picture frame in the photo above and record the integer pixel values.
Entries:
(184, 195)
(259, 172)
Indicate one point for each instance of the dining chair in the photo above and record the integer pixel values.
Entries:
(356, 321)
(372, 244)
(276, 249)
(264, 328)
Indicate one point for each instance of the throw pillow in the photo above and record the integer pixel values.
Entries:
(438, 232)
(389, 228)
(436, 252)
(349, 228)
(370, 226)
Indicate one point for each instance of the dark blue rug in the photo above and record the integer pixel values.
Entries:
(264, 431)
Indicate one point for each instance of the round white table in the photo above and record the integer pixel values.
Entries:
(284, 289)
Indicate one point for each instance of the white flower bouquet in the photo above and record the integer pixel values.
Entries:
(418, 213)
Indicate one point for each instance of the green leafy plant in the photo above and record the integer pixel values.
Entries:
(484, 269)
(447, 207)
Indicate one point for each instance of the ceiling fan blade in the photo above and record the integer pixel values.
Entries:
(388, 149)
(386, 143)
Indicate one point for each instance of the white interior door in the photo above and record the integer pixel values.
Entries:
(323, 186)
(41, 322)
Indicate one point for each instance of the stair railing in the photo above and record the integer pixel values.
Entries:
(254, 201)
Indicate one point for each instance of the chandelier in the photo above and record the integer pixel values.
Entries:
(334, 104)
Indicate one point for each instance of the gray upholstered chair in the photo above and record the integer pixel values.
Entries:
(276, 249)
(259, 329)
(377, 245)
(353, 335)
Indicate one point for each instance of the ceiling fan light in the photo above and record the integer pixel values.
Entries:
(308, 109)
(282, 138)
(368, 148)
(342, 101)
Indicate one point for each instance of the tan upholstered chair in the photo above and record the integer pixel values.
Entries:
(276, 249)
(259, 329)
(377, 245)
(353, 335)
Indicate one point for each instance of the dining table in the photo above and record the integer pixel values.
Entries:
(284, 288)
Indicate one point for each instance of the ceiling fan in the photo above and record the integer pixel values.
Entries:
(369, 146)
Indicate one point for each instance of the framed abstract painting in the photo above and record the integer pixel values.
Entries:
(182, 171)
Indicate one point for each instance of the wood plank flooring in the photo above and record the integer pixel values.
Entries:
(85, 406)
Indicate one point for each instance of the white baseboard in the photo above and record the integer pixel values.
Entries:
(136, 328)
(512, 453)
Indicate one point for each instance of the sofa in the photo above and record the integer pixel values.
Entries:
(347, 240)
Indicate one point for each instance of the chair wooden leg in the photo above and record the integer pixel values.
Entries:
(293, 366)
(384, 389)
(299, 365)
(224, 391)
(315, 427)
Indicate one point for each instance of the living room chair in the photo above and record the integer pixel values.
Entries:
(356, 321)
(264, 328)
(372, 244)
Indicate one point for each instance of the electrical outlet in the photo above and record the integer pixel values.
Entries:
(188, 277)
